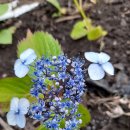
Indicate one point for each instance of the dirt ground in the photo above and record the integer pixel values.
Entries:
(114, 16)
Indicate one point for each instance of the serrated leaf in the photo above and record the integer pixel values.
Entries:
(79, 30)
(42, 43)
(14, 87)
(55, 3)
(85, 115)
(3, 8)
(96, 33)
(6, 35)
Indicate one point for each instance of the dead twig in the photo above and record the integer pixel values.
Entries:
(5, 125)
(67, 18)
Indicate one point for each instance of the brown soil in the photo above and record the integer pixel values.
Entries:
(113, 16)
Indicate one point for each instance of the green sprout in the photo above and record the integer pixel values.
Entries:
(85, 27)
(56, 4)
(6, 35)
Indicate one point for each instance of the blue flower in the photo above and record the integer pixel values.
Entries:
(72, 124)
(53, 124)
(61, 82)
(18, 109)
(21, 66)
(100, 65)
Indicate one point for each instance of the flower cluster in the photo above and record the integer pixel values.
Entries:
(58, 87)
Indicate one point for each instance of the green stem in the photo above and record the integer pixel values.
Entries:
(86, 19)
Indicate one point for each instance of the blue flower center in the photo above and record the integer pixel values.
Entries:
(17, 112)
(23, 62)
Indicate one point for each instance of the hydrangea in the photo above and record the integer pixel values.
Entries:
(99, 66)
(58, 88)
(21, 66)
(18, 109)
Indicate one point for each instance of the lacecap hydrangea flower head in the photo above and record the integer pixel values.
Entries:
(58, 87)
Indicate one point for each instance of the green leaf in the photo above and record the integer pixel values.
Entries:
(62, 123)
(57, 14)
(6, 35)
(79, 31)
(55, 3)
(41, 127)
(96, 33)
(3, 8)
(42, 43)
(14, 87)
(85, 115)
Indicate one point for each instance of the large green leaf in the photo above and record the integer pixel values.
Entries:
(6, 35)
(3, 8)
(14, 87)
(42, 43)
(79, 30)
(96, 33)
(85, 115)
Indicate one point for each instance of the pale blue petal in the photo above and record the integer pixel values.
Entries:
(23, 105)
(20, 120)
(103, 57)
(92, 56)
(108, 68)
(14, 104)
(30, 59)
(20, 69)
(95, 72)
(11, 118)
(28, 56)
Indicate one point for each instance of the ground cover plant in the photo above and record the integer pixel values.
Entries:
(65, 83)
(58, 84)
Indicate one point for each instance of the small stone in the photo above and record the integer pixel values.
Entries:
(119, 66)
(115, 43)
(123, 23)
(89, 128)
(93, 127)
(93, 122)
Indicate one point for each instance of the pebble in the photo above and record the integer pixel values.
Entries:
(98, 122)
(123, 22)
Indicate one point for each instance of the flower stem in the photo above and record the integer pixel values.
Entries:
(86, 19)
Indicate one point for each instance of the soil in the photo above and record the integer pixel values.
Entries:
(114, 16)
